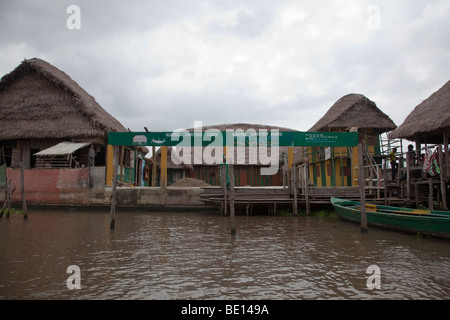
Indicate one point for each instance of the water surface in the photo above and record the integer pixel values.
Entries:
(193, 256)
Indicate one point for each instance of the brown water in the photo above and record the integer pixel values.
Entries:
(193, 256)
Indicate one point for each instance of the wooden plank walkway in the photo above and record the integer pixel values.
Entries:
(246, 195)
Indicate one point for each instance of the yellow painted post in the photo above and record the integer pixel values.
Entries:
(153, 167)
(290, 162)
(163, 181)
(355, 167)
(109, 165)
(290, 157)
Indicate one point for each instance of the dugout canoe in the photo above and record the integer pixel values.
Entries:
(426, 222)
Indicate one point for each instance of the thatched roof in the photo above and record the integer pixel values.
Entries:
(37, 100)
(428, 120)
(354, 110)
(298, 151)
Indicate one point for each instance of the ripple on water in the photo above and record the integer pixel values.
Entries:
(193, 256)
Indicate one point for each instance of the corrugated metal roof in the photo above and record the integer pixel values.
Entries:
(63, 148)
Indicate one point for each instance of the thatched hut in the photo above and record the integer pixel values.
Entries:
(40, 107)
(429, 124)
(429, 121)
(247, 165)
(352, 112)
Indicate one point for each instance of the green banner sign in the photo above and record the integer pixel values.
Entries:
(235, 137)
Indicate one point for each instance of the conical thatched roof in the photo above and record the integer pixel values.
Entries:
(354, 110)
(428, 119)
(37, 100)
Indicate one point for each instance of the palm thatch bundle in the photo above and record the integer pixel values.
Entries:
(354, 110)
(37, 100)
(428, 120)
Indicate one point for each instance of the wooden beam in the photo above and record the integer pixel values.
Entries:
(232, 195)
(22, 190)
(306, 188)
(153, 167)
(443, 189)
(122, 155)
(163, 175)
(114, 185)
(362, 192)
(294, 190)
(109, 164)
(290, 163)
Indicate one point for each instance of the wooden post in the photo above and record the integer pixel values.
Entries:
(153, 167)
(290, 164)
(442, 164)
(233, 224)
(446, 165)
(122, 155)
(430, 194)
(22, 191)
(294, 190)
(9, 198)
(408, 177)
(362, 192)
(306, 188)
(163, 176)
(385, 181)
(6, 199)
(114, 186)
(223, 183)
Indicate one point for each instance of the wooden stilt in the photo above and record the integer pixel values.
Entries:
(223, 186)
(22, 190)
(306, 188)
(9, 198)
(430, 194)
(290, 164)
(361, 179)
(443, 191)
(294, 189)
(153, 167)
(163, 176)
(232, 219)
(114, 186)
(408, 178)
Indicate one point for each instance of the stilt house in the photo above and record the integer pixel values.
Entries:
(428, 125)
(48, 122)
(338, 166)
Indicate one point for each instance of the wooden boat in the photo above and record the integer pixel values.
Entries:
(433, 223)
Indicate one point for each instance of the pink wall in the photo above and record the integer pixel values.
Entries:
(52, 186)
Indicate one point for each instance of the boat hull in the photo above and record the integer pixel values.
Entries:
(435, 224)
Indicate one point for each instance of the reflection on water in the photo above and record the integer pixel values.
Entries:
(193, 256)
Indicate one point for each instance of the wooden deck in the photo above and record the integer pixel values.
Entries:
(277, 196)
(316, 195)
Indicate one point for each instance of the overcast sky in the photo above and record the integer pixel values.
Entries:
(165, 64)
